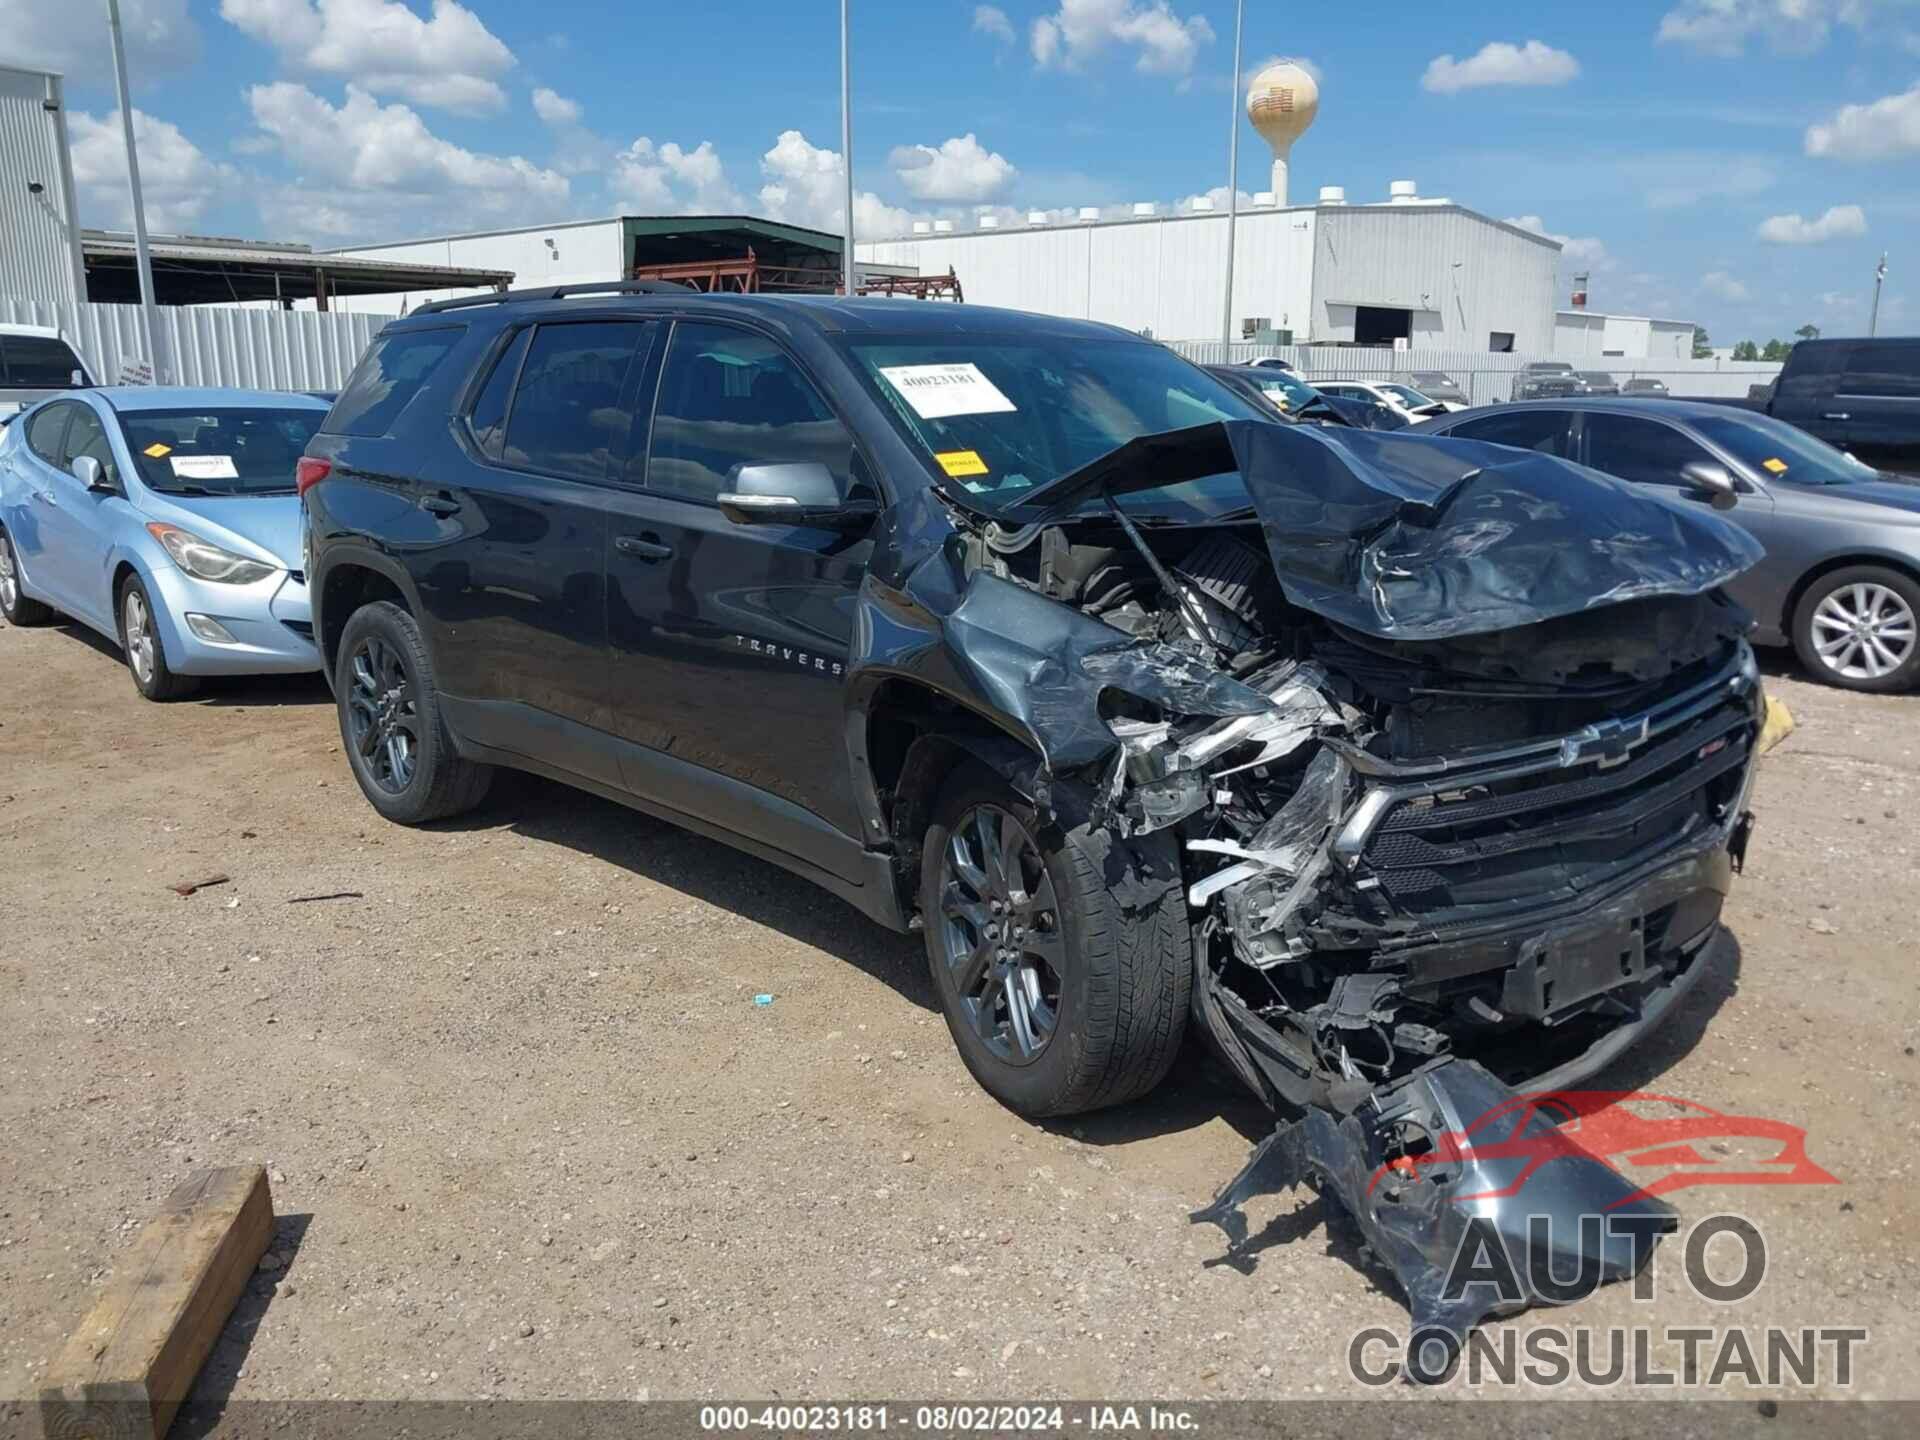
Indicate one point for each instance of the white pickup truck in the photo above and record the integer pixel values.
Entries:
(36, 361)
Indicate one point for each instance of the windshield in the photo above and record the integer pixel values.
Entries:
(1407, 395)
(243, 451)
(1595, 377)
(1778, 451)
(37, 362)
(1001, 417)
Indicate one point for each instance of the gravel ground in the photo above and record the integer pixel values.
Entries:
(531, 1136)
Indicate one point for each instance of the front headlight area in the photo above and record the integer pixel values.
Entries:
(204, 560)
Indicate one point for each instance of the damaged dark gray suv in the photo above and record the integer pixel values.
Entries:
(1370, 755)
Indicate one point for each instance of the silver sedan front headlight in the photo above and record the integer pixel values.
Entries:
(204, 560)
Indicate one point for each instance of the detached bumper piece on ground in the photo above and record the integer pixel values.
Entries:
(1515, 1216)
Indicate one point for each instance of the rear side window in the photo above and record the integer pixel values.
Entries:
(568, 417)
(387, 377)
(37, 362)
(45, 430)
(489, 418)
(1542, 430)
(1891, 370)
(730, 398)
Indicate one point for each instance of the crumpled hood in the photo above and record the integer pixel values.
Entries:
(1414, 537)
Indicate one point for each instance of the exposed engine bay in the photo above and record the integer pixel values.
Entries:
(1428, 852)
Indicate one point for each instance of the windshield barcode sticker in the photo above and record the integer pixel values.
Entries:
(938, 391)
(205, 467)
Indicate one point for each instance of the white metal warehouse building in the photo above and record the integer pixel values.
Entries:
(1432, 273)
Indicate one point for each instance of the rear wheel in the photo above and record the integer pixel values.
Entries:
(14, 603)
(390, 722)
(1059, 1000)
(1859, 628)
(145, 650)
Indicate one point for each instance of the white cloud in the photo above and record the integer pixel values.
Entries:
(992, 20)
(1500, 63)
(1888, 127)
(669, 179)
(1722, 286)
(960, 169)
(450, 61)
(176, 177)
(806, 185)
(1584, 250)
(1081, 29)
(364, 166)
(555, 109)
(1723, 27)
(58, 35)
(1842, 222)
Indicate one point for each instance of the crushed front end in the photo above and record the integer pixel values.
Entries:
(1456, 743)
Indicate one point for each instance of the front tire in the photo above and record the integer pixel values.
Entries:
(1859, 628)
(391, 724)
(14, 603)
(145, 651)
(1059, 999)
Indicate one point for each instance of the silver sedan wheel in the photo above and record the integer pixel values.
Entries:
(9, 582)
(1864, 631)
(138, 625)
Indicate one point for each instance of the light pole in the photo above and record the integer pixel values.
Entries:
(846, 151)
(1879, 277)
(1233, 183)
(143, 259)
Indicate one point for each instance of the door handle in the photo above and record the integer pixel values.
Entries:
(45, 497)
(647, 547)
(440, 505)
(1836, 415)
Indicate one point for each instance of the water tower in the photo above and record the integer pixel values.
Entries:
(1282, 103)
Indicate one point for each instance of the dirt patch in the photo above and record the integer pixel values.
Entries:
(532, 1135)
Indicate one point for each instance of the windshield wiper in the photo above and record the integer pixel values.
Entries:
(1189, 611)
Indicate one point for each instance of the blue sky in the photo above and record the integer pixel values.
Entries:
(1738, 162)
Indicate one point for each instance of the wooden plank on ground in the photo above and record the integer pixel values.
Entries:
(134, 1358)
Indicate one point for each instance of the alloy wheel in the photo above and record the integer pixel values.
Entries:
(383, 715)
(9, 584)
(138, 624)
(1000, 933)
(1864, 631)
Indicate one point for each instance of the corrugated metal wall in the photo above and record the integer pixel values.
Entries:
(214, 345)
(36, 258)
(1487, 378)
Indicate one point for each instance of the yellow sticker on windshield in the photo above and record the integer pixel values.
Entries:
(157, 450)
(958, 463)
(1776, 465)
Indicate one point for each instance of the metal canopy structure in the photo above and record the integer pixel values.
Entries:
(205, 270)
(686, 239)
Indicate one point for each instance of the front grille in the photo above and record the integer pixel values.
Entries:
(1551, 832)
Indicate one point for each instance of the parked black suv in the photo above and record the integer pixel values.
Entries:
(1859, 395)
(1369, 752)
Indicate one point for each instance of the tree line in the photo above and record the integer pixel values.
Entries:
(1748, 349)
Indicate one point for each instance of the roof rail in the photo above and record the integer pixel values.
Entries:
(555, 292)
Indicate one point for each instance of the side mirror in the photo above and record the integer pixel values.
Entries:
(1711, 480)
(78, 379)
(803, 493)
(91, 473)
